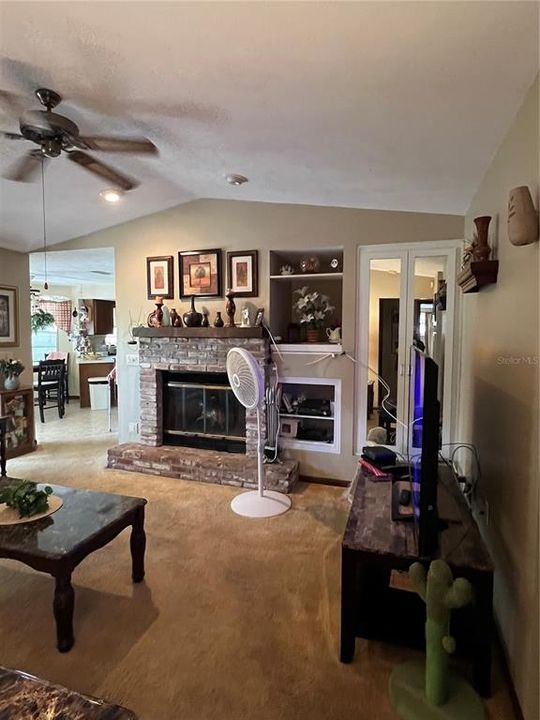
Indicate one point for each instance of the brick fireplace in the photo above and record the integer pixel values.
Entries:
(185, 369)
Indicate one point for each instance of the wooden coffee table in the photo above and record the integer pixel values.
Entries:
(57, 544)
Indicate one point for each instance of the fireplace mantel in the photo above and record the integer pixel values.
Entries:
(200, 332)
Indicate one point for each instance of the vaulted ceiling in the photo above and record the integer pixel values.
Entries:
(368, 104)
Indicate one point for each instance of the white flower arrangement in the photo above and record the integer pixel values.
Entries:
(312, 308)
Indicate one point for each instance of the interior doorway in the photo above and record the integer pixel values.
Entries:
(406, 297)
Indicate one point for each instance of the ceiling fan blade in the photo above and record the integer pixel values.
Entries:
(24, 169)
(116, 144)
(12, 102)
(10, 135)
(105, 171)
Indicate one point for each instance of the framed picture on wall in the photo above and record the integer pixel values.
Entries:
(243, 273)
(160, 276)
(200, 273)
(9, 316)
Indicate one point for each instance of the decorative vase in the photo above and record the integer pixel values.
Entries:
(155, 318)
(176, 320)
(482, 250)
(522, 217)
(310, 264)
(12, 382)
(313, 335)
(218, 322)
(230, 308)
(192, 318)
(205, 322)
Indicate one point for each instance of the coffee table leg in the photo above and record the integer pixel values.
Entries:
(138, 544)
(64, 598)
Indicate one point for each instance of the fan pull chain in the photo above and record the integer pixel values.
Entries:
(46, 284)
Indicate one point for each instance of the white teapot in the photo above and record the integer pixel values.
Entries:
(334, 335)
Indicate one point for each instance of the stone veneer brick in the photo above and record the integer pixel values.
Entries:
(194, 354)
(150, 456)
(186, 463)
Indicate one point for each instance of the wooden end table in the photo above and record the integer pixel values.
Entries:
(57, 544)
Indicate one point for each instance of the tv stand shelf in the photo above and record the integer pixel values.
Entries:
(373, 546)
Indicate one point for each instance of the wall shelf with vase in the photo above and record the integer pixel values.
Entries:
(477, 274)
(478, 269)
(319, 270)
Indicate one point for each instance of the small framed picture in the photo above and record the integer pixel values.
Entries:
(289, 427)
(200, 273)
(259, 317)
(243, 273)
(9, 316)
(159, 276)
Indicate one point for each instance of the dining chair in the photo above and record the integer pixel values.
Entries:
(51, 386)
(61, 355)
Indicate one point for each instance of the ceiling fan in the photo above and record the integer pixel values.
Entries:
(55, 133)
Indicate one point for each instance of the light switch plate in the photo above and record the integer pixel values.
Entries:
(133, 427)
(132, 359)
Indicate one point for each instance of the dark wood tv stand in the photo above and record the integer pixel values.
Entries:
(373, 546)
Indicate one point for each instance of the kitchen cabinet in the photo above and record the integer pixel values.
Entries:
(88, 370)
(100, 316)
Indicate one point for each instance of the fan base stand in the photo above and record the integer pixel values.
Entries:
(251, 504)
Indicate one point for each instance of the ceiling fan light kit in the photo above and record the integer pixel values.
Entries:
(111, 195)
(56, 134)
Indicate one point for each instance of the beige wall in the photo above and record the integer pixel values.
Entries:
(499, 412)
(15, 273)
(246, 225)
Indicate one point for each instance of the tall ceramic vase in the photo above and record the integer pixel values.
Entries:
(522, 217)
(482, 250)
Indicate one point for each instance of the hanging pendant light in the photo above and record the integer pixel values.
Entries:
(46, 284)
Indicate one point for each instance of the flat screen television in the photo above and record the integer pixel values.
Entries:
(424, 419)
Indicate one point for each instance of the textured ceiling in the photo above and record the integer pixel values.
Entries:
(90, 266)
(369, 104)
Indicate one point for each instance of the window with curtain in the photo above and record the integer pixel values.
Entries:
(44, 342)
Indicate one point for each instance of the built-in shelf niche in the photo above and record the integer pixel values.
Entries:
(327, 280)
(325, 430)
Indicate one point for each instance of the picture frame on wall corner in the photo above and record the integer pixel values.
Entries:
(9, 316)
(243, 273)
(160, 277)
(199, 273)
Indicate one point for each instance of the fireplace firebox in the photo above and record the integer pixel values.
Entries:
(201, 411)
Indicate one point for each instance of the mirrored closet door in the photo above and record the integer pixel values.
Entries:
(406, 297)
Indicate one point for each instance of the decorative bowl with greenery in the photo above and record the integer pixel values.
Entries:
(41, 320)
(26, 498)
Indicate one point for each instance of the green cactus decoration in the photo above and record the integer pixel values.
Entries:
(432, 691)
(442, 594)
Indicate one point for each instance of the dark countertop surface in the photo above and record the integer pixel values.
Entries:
(83, 515)
(25, 697)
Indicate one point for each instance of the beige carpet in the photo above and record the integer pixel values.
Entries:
(237, 619)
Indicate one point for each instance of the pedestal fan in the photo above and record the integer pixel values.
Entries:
(247, 383)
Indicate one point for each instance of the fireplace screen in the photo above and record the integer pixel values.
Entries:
(200, 410)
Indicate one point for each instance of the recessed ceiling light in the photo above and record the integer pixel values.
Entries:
(235, 179)
(111, 195)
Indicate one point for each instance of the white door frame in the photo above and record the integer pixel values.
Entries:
(406, 253)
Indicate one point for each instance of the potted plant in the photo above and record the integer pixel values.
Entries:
(312, 309)
(41, 319)
(11, 369)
